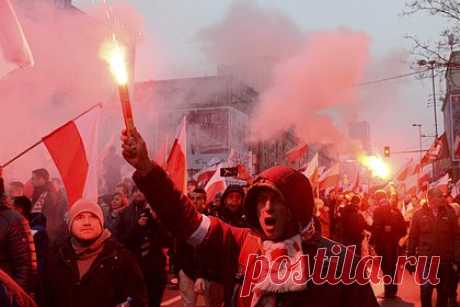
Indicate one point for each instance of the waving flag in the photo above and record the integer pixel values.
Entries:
(330, 178)
(14, 49)
(73, 148)
(176, 165)
(442, 184)
(215, 185)
(407, 170)
(296, 153)
(312, 171)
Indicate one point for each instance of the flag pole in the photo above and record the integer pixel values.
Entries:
(40, 141)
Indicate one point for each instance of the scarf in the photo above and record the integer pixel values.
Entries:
(86, 254)
(264, 293)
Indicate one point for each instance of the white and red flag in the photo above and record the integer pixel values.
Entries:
(14, 49)
(312, 170)
(442, 184)
(356, 185)
(407, 170)
(176, 164)
(215, 185)
(411, 184)
(73, 148)
(296, 153)
(203, 176)
(330, 178)
(425, 175)
(433, 152)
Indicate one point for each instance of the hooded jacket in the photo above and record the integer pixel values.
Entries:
(226, 247)
(237, 219)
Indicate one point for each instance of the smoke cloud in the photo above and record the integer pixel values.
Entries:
(68, 77)
(310, 84)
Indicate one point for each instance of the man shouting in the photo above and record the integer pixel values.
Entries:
(279, 207)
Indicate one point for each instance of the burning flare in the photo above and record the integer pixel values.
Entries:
(376, 165)
(115, 55)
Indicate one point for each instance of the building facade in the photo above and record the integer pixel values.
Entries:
(451, 116)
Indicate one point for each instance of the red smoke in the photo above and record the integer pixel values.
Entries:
(68, 77)
(306, 87)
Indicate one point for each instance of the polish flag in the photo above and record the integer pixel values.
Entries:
(296, 153)
(176, 164)
(203, 176)
(215, 185)
(411, 184)
(14, 49)
(442, 184)
(312, 171)
(426, 175)
(73, 148)
(406, 171)
(357, 181)
(433, 152)
(330, 178)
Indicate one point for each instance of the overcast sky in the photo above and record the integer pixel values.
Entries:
(174, 24)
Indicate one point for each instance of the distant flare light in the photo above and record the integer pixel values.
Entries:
(376, 165)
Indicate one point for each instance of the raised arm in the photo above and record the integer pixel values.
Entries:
(172, 207)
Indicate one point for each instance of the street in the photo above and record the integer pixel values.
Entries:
(408, 295)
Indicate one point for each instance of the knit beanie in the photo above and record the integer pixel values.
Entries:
(83, 205)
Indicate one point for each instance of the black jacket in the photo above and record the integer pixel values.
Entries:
(350, 226)
(388, 228)
(145, 242)
(113, 277)
(17, 249)
(434, 236)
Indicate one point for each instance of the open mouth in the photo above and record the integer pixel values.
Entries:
(270, 221)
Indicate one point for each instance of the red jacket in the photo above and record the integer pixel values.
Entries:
(224, 245)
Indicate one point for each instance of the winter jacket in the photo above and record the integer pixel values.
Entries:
(144, 242)
(237, 219)
(434, 236)
(113, 277)
(388, 228)
(45, 200)
(12, 295)
(223, 243)
(350, 226)
(17, 250)
(38, 228)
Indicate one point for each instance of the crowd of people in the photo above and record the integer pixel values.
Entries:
(144, 235)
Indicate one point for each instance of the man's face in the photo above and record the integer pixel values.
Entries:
(138, 197)
(37, 181)
(121, 189)
(86, 227)
(15, 191)
(117, 201)
(272, 214)
(233, 201)
(435, 199)
(198, 200)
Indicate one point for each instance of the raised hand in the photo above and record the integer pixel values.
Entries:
(135, 151)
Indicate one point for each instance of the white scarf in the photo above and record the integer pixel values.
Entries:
(264, 293)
